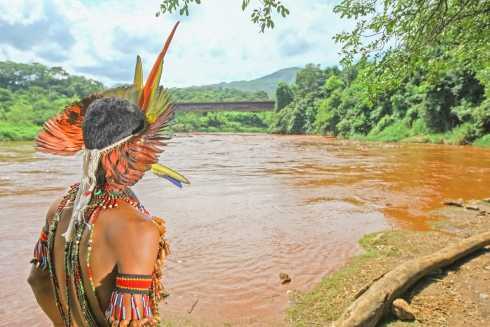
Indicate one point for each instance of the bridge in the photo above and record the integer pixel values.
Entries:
(252, 106)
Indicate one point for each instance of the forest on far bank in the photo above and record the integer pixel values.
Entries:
(32, 93)
(452, 107)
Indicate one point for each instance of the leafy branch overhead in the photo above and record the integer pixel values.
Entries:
(262, 14)
(412, 25)
(401, 34)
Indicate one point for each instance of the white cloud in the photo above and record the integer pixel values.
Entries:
(216, 43)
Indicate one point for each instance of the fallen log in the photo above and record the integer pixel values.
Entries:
(376, 301)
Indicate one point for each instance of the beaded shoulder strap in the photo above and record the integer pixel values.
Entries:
(53, 225)
(102, 199)
(40, 255)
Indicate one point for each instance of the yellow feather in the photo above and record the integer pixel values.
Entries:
(125, 92)
(138, 74)
(159, 103)
(162, 171)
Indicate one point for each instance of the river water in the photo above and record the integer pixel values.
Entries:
(258, 205)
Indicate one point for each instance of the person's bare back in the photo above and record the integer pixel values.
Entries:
(123, 240)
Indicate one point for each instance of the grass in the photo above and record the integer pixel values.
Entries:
(433, 298)
(249, 122)
(229, 122)
(17, 132)
(393, 133)
(483, 142)
(399, 131)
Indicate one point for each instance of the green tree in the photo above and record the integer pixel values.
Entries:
(18, 76)
(284, 96)
(328, 115)
(309, 79)
(401, 35)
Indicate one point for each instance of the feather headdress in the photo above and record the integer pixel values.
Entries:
(126, 160)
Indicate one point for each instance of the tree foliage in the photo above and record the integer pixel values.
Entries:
(453, 108)
(219, 121)
(400, 35)
(261, 15)
(284, 96)
(215, 94)
(17, 76)
(32, 93)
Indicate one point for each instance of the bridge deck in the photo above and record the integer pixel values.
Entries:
(224, 106)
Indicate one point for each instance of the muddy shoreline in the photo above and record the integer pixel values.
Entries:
(456, 296)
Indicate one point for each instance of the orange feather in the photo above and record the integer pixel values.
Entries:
(153, 79)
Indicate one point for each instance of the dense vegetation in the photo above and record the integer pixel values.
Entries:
(453, 108)
(32, 93)
(219, 121)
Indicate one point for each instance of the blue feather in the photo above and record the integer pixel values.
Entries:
(173, 181)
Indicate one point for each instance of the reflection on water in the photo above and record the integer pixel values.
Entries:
(258, 205)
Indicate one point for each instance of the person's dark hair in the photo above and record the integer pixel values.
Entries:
(109, 120)
(100, 176)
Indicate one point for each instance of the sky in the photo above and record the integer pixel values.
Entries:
(216, 43)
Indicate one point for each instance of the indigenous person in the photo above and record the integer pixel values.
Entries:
(99, 257)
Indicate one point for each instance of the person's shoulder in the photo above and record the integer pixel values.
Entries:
(126, 223)
(52, 210)
(61, 202)
(133, 238)
(125, 214)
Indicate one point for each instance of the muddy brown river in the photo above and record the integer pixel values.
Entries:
(258, 205)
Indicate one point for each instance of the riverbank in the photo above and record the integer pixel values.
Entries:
(256, 123)
(445, 298)
(399, 132)
(448, 138)
(184, 122)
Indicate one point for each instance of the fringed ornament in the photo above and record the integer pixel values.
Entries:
(40, 256)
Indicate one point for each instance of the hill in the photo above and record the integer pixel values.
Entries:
(266, 83)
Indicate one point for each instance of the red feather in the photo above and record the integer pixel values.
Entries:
(150, 82)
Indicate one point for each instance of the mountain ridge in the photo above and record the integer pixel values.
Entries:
(267, 83)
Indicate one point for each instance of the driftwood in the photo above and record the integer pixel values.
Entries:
(376, 301)
(402, 310)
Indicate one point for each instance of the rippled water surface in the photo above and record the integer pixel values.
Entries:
(258, 205)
